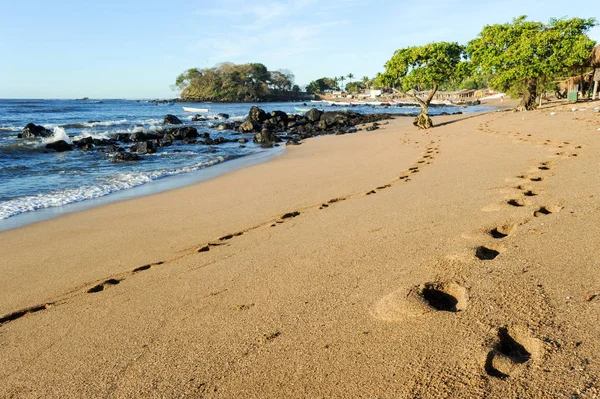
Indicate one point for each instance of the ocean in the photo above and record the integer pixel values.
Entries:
(33, 178)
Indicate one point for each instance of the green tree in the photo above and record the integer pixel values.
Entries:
(350, 76)
(419, 68)
(365, 80)
(523, 57)
(342, 78)
(321, 85)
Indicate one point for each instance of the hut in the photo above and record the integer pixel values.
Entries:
(595, 63)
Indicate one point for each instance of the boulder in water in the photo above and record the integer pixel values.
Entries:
(313, 115)
(171, 120)
(59, 146)
(125, 157)
(145, 147)
(33, 130)
(256, 115)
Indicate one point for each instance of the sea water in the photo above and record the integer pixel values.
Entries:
(33, 178)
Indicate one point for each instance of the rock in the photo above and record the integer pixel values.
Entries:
(292, 142)
(220, 140)
(33, 130)
(125, 157)
(145, 147)
(223, 126)
(256, 115)
(84, 142)
(266, 137)
(222, 116)
(87, 147)
(171, 120)
(313, 115)
(125, 137)
(198, 118)
(249, 126)
(332, 118)
(372, 127)
(60, 146)
(280, 114)
(242, 141)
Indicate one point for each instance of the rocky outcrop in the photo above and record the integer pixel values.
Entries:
(59, 146)
(144, 147)
(171, 120)
(125, 157)
(256, 115)
(31, 130)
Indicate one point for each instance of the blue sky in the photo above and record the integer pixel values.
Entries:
(135, 49)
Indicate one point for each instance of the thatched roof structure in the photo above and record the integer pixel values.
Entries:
(595, 57)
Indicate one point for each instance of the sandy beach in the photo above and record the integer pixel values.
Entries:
(458, 262)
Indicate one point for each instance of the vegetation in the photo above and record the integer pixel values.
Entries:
(413, 69)
(525, 57)
(322, 85)
(237, 83)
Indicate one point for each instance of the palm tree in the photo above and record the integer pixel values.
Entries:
(350, 77)
(342, 80)
(365, 80)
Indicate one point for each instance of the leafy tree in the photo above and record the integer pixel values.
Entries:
(342, 78)
(365, 80)
(523, 57)
(419, 68)
(321, 85)
(350, 76)
(231, 82)
(355, 87)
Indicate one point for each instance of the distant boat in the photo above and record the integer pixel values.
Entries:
(195, 110)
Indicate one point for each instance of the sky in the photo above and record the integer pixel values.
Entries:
(136, 49)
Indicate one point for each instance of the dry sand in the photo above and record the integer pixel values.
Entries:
(469, 271)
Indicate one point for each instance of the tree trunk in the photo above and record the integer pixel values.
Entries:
(528, 102)
(423, 121)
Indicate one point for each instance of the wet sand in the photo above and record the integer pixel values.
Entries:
(398, 263)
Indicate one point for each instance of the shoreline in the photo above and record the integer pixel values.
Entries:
(153, 187)
(320, 273)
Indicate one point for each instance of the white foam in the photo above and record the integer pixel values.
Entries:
(59, 134)
(121, 181)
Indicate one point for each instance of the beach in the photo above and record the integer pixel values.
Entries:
(458, 261)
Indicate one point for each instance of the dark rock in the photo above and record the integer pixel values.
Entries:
(332, 118)
(144, 147)
(59, 146)
(86, 147)
(250, 126)
(171, 120)
(198, 118)
(84, 142)
(313, 115)
(33, 130)
(220, 140)
(256, 115)
(224, 126)
(126, 157)
(242, 141)
(371, 128)
(266, 137)
(279, 114)
(292, 142)
(124, 137)
(222, 116)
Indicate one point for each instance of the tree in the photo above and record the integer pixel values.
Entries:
(412, 69)
(231, 82)
(365, 80)
(321, 85)
(524, 56)
(350, 76)
(342, 78)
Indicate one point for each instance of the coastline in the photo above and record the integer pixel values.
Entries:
(315, 305)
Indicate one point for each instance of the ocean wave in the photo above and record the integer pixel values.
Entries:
(11, 128)
(115, 183)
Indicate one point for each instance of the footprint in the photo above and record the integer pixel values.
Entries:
(371, 192)
(205, 248)
(547, 210)
(102, 286)
(530, 193)
(512, 350)
(141, 268)
(539, 178)
(20, 313)
(448, 297)
(334, 200)
(230, 236)
(383, 187)
(290, 215)
(502, 231)
(516, 202)
(486, 253)
(417, 301)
